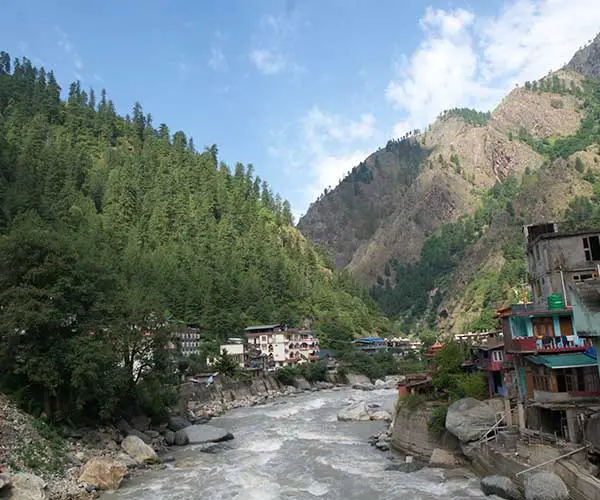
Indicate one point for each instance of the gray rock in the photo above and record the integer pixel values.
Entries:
(468, 419)
(181, 438)
(545, 486)
(169, 437)
(153, 434)
(364, 387)
(4, 480)
(199, 434)
(127, 461)
(140, 422)
(103, 473)
(139, 434)
(382, 445)
(302, 384)
(178, 423)
(381, 415)
(139, 451)
(123, 426)
(380, 384)
(165, 459)
(201, 420)
(404, 467)
(214, 447)
(26, 486)
(324, 385)
(356, 412)
(443, 458)
(73, 459)
(502, 486)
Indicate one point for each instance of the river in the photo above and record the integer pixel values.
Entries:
(295, 449)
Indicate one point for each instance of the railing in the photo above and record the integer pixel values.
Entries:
(570, 343)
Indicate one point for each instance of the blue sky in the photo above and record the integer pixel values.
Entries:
(303, 89)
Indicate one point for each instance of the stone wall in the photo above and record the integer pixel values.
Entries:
(410, 433)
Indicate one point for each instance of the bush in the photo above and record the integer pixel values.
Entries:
(286, 375)
(342, 374)
(557, 103)
(473, 386)
(315, 372)
(436, 424)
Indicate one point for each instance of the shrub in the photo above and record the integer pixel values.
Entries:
(436, 424)
(315, 372)
(557, 103)
(286, 375)
(473, 386)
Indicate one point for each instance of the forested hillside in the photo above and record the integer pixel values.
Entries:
(115, 231)
(433, 221)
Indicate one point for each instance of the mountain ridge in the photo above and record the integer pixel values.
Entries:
(372, 222)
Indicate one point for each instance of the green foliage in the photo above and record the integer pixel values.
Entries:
(470, 116)
(287, 375)
(557, 103)
(436, 423)
(374, 366)
(579, 166)
(441, 253)
(113, 232)
(474, 385)
(412, 401)
(225, 364)
(342, 374)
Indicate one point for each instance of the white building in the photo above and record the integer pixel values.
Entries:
(283, 346)
(189, 341)
(235, 348)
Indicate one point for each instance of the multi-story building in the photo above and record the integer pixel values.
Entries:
(283, 346)
(371, 345)
(189, 341)
(401, 346)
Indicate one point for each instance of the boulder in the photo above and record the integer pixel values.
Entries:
(152, 434)
(356, 412)
(139, 434)
(380, 384)
(364, 387)
(324, 385)
(103, 473)
(199, 434)
(181, 438)
(381, 415)
(382, 445)
(26, 486)
(140, 422)
(178, 423)
(4, 480)
(169, 437)
(127, 461)
(302, 384)
(501, 486)
(139, 451)
(545, 486)
(443, 458)
(202, 419)
(405, 467)
(123, 426)
(468, 419)
(356, 378)
(213, 447)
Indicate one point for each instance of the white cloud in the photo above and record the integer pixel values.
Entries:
(65, 44)
(268, 62)
(217, 60)
(465, 60)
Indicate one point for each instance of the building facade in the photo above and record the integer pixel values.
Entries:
(283, 346)
(189, 341)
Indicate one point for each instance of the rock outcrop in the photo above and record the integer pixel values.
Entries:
(176, 423)
(103, 473)
(26, 486)
(501, 486)
(361, 412)
(443, 458)
(468, 419)
(139, 451)
(199, 434)
(545, 486)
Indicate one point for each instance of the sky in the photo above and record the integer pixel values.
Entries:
(302, 89)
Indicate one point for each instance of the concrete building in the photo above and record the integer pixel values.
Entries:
(371, 345)
(283, 346)
(189, 341)
(557, 260)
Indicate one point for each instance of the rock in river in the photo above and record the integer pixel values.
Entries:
(468, 419)
(139, 451)
(355, 412)
(198, 434)
(178, 423)
(103, 473)
(501, 486)
(545, 486)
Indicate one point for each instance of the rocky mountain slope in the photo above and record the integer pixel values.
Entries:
(399, 198)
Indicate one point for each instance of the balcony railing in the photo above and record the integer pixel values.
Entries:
(548, 345)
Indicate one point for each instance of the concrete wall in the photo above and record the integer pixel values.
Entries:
(410, 433)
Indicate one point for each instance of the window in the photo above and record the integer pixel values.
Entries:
(591, 247)
(537, 252)
(497, 355)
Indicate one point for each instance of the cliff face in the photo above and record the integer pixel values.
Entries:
(389, 206)
(386, 207)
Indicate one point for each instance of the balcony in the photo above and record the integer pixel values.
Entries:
(494, 366)
(547, 345)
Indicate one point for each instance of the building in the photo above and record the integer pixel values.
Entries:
(476, 337)
(585, 300)
(283, 346)
(554, 368)
(189, 341)
(235, 348)
(371, 345)
(497, 364)
(557, 260)
(401, 346)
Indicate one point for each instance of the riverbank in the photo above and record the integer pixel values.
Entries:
(27, 445)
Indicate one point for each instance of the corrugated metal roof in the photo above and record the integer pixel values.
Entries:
(261, 327)
(559, 361)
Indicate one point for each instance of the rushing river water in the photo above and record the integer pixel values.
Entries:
(296, 449)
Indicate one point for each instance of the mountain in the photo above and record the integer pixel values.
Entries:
(433, 220)
(112, 227)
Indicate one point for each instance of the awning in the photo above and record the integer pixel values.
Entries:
(560, 361)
